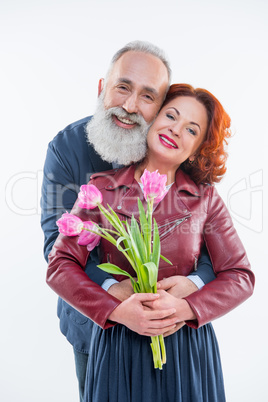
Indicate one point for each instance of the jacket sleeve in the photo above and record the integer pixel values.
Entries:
(59, 192)
(66, 276)
(234, 281)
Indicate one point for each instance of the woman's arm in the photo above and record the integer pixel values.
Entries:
(235, 280)
(66, 276)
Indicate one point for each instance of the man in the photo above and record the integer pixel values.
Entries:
(129, 100)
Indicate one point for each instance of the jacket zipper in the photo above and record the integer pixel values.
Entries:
(195, 263)
(176, 223)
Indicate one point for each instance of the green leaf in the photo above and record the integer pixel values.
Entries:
(134, 248)
(143, 219)
(136, 287)
(107, 236)
(113, 269)
(113, 219)
(165, 259)
(115, 216)
(138, 239)
(156, 245)
(119, 240)
(152, 270)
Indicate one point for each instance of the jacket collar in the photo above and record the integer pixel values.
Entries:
(125, 177)
(185, 183)
(122, 177)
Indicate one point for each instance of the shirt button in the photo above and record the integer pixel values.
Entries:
(119, 207)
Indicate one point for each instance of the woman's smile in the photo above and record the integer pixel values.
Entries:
(167, 141)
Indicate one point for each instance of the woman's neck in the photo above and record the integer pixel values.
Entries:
(170, 173)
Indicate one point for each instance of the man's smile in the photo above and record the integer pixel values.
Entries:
(123, 122)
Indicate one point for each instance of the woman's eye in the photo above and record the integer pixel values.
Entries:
(191, 131)
(170, 116)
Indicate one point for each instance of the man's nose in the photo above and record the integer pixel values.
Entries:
(131, 104)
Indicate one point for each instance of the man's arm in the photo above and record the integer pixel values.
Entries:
(60, 187)
(204, 271)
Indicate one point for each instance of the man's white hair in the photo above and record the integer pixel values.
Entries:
(144, 47)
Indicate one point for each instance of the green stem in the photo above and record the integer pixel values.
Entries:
(155, 345)
(150, 204)
(163, 349)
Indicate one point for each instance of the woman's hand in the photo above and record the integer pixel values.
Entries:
(183, 311)
(150, 314)
(165, 300)
(134, 314)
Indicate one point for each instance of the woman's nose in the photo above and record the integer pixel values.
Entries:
(175, 129)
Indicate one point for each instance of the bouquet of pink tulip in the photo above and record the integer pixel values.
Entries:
(139, 242)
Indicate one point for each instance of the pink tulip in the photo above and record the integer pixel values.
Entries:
(87, 238)
(154, 185)
(69, 225)
(89, 196)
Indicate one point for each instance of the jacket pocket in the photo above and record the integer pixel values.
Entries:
(75, 316)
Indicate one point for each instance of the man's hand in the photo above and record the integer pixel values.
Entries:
(177, 286)
(121, 290)
(178, 326)
(144, 321)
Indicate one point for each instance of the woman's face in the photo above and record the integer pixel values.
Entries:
(177, 132)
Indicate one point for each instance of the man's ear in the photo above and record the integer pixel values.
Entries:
(100, 86)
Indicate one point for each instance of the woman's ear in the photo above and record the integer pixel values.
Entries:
(192, 158)
(100, 86)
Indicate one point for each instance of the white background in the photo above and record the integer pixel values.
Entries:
(52, 55)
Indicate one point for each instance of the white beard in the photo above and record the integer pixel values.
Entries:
(113, 143)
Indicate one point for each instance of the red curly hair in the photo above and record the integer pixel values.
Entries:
(209, 164)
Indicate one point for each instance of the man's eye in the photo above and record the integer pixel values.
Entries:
(149, 97)
(123, 87)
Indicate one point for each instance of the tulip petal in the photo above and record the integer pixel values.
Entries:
(89, 196)
(154, 185)
(69, 225)
(87, 238)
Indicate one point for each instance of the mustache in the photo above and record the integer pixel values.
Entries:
(120, 112)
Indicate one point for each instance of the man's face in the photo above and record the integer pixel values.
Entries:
(137, 84)
(133, 94)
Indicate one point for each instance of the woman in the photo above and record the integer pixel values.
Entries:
(186, 142)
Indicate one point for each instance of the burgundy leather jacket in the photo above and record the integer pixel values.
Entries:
(188, 217)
